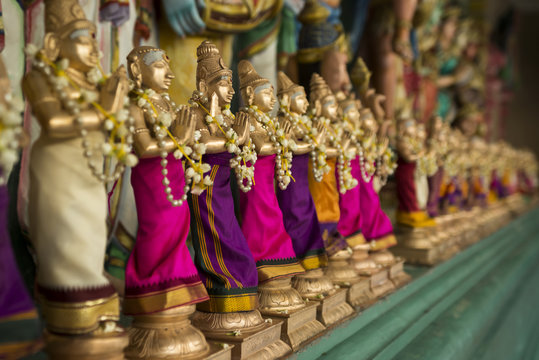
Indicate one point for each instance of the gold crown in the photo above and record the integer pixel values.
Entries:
(319, 88)
(210, 64)
(286, 86)
(62, 17)
(248, 75)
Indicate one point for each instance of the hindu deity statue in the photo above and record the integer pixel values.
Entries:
(66, 180)
(263, 223)
(16, 303)
(222, 255)
(325, 191)
(162, 285)
(437, 132)
(479, 172)
(296, 203)
(411, 215)
(262, 219)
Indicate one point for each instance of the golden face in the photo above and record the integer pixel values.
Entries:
(368, 122)
(264, 98)
(352, 114)
(222, 86)
(329, 107)
(299, 103)
(157, 75)
(81, 51)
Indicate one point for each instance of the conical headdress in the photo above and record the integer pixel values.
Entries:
(286, 86)
(210, 63)
(248, 75)
(62, 17)
(319, 88)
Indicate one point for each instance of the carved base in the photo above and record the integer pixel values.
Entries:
(252, 337)
(415, 238)
(397, 275)
(334, 308)
(339, 269)
(360, 293)
(381, 285)
(313, 284)
(299, 326)
(417, 256)
(109, 346)
(279, 296)
(166, 335)
(263, 344)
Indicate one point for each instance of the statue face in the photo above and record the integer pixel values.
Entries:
(352, 114)
(264, 98)
(157, 75)
(329, 107)
(368, 122)
(299, 103)
(81, 51)
(222, 86)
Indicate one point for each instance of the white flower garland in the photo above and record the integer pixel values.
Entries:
(243, 155)
(10, 133)
(344, 169)
(318, 152)
(386, 165)
(284, 146)
(194, 167)
(118, 127)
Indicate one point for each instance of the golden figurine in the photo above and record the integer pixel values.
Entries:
(222, 255)
(66, 183)
(325, 192)
(162, 285)
(298, 208)
(416, 238)
(262, 219)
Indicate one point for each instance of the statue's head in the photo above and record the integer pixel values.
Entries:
(255, 90)
(149, 68)
(212, 75)
(349, 108)
(291, 95)
(323, 99)
(69, 35)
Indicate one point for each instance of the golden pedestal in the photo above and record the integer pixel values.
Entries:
(279, 301)
(252, 336)
(108, 346)
(416, 245)
(170, 335)
(397, 275)
(376, 275)
(334, 308)
(317, 288)
(299, 326)
(341, 272)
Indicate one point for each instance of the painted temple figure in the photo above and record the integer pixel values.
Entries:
(162, 284)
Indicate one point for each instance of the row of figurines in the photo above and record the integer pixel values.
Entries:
(240, 270)
(443, 178)
(231, 261)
